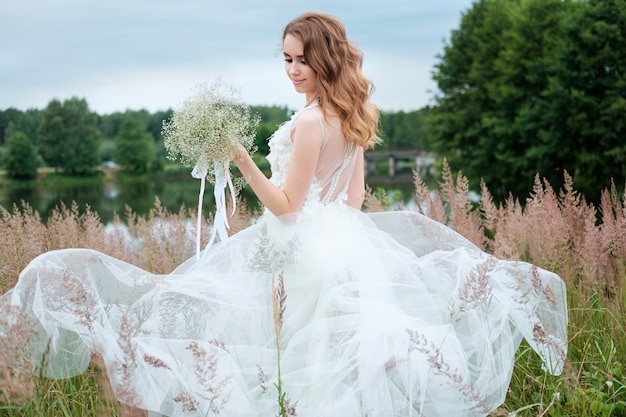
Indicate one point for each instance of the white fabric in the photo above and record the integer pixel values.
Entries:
(386, 314)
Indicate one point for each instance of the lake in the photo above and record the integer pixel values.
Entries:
(110, 197)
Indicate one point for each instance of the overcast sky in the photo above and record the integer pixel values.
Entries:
(134, 54)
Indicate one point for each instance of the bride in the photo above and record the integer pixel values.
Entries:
(318, 309)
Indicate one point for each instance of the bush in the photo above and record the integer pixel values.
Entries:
(21, 159)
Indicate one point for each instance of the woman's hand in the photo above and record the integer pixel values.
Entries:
(307, 142)
(240, 153)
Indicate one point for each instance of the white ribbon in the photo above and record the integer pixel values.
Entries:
(220, 221)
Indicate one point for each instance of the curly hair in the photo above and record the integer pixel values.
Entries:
(337, 63)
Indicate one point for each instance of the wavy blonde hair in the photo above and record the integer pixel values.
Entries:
(337, 62)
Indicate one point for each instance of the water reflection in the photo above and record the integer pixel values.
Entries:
(44, 199)
(109, 197)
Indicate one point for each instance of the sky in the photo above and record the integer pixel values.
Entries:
(150, 54)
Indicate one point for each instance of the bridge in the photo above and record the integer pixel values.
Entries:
(422, 163)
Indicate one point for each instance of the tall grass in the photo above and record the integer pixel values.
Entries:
(556, 230)
(562, 232)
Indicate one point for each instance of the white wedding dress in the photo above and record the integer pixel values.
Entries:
(380, 314)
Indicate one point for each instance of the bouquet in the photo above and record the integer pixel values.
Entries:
(204, 133)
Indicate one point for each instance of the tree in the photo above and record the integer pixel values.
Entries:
(466, 118)
(68, 137)
(10, 130)
(404, 130)
(21, 158)
(51, 133)
(587, 96)
(29, 123)
(271, 118)
(10, 115)
(16, 120)
(534, 87)
(134, 147)
(109, 124)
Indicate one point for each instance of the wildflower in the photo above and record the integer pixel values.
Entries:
(205, 132)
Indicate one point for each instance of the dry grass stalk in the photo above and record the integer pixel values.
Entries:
(371, 203)
(279, 298)
(450, 205)
(241, 218)
(420, 343)
(158, 242)
(286, 407)
(461, 217)
(163, 239)
(18, 374)
(475, 293)
(127, 366)
(214, 390)
(23, 238)
(428, 203)
(560, 231)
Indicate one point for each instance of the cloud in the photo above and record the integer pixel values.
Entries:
(149, 53)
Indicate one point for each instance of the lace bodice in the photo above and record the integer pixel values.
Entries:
(336, 161)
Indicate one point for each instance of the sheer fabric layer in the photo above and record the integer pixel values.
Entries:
(385, 314)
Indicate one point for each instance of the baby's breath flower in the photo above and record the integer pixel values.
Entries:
(207, 127)
(204, 133)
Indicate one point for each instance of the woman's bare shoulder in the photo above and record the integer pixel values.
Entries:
(310, 121)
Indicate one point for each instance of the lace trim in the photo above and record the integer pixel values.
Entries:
(281, 148)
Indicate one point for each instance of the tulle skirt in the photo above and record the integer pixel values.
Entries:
(333, 312)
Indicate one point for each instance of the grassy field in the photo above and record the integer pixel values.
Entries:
(556, 230)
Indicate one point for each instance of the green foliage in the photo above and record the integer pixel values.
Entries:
(272, 114)
(10, 130)
(107, 150)
(593, 383)
(68, 137)
(405, 130)
(7, 116)
(21, 159)
(271, 118)
(534, 87)
(78, 396)
(13, 120)
(133, 147)
(110, 124)
(399, 130)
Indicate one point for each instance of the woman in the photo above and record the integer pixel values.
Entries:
(340, 123)
(317, 309)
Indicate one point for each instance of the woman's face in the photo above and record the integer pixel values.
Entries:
(302, 76)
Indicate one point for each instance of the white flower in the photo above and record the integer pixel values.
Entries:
(207, 127)
(204, 133)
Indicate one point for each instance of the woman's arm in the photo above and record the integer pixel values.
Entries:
(307, 142)
(356, 188)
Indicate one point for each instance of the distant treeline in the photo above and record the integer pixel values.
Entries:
(525, 88)
(399, 129)
(68, 136)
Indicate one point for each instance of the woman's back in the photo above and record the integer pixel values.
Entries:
(335, 165)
